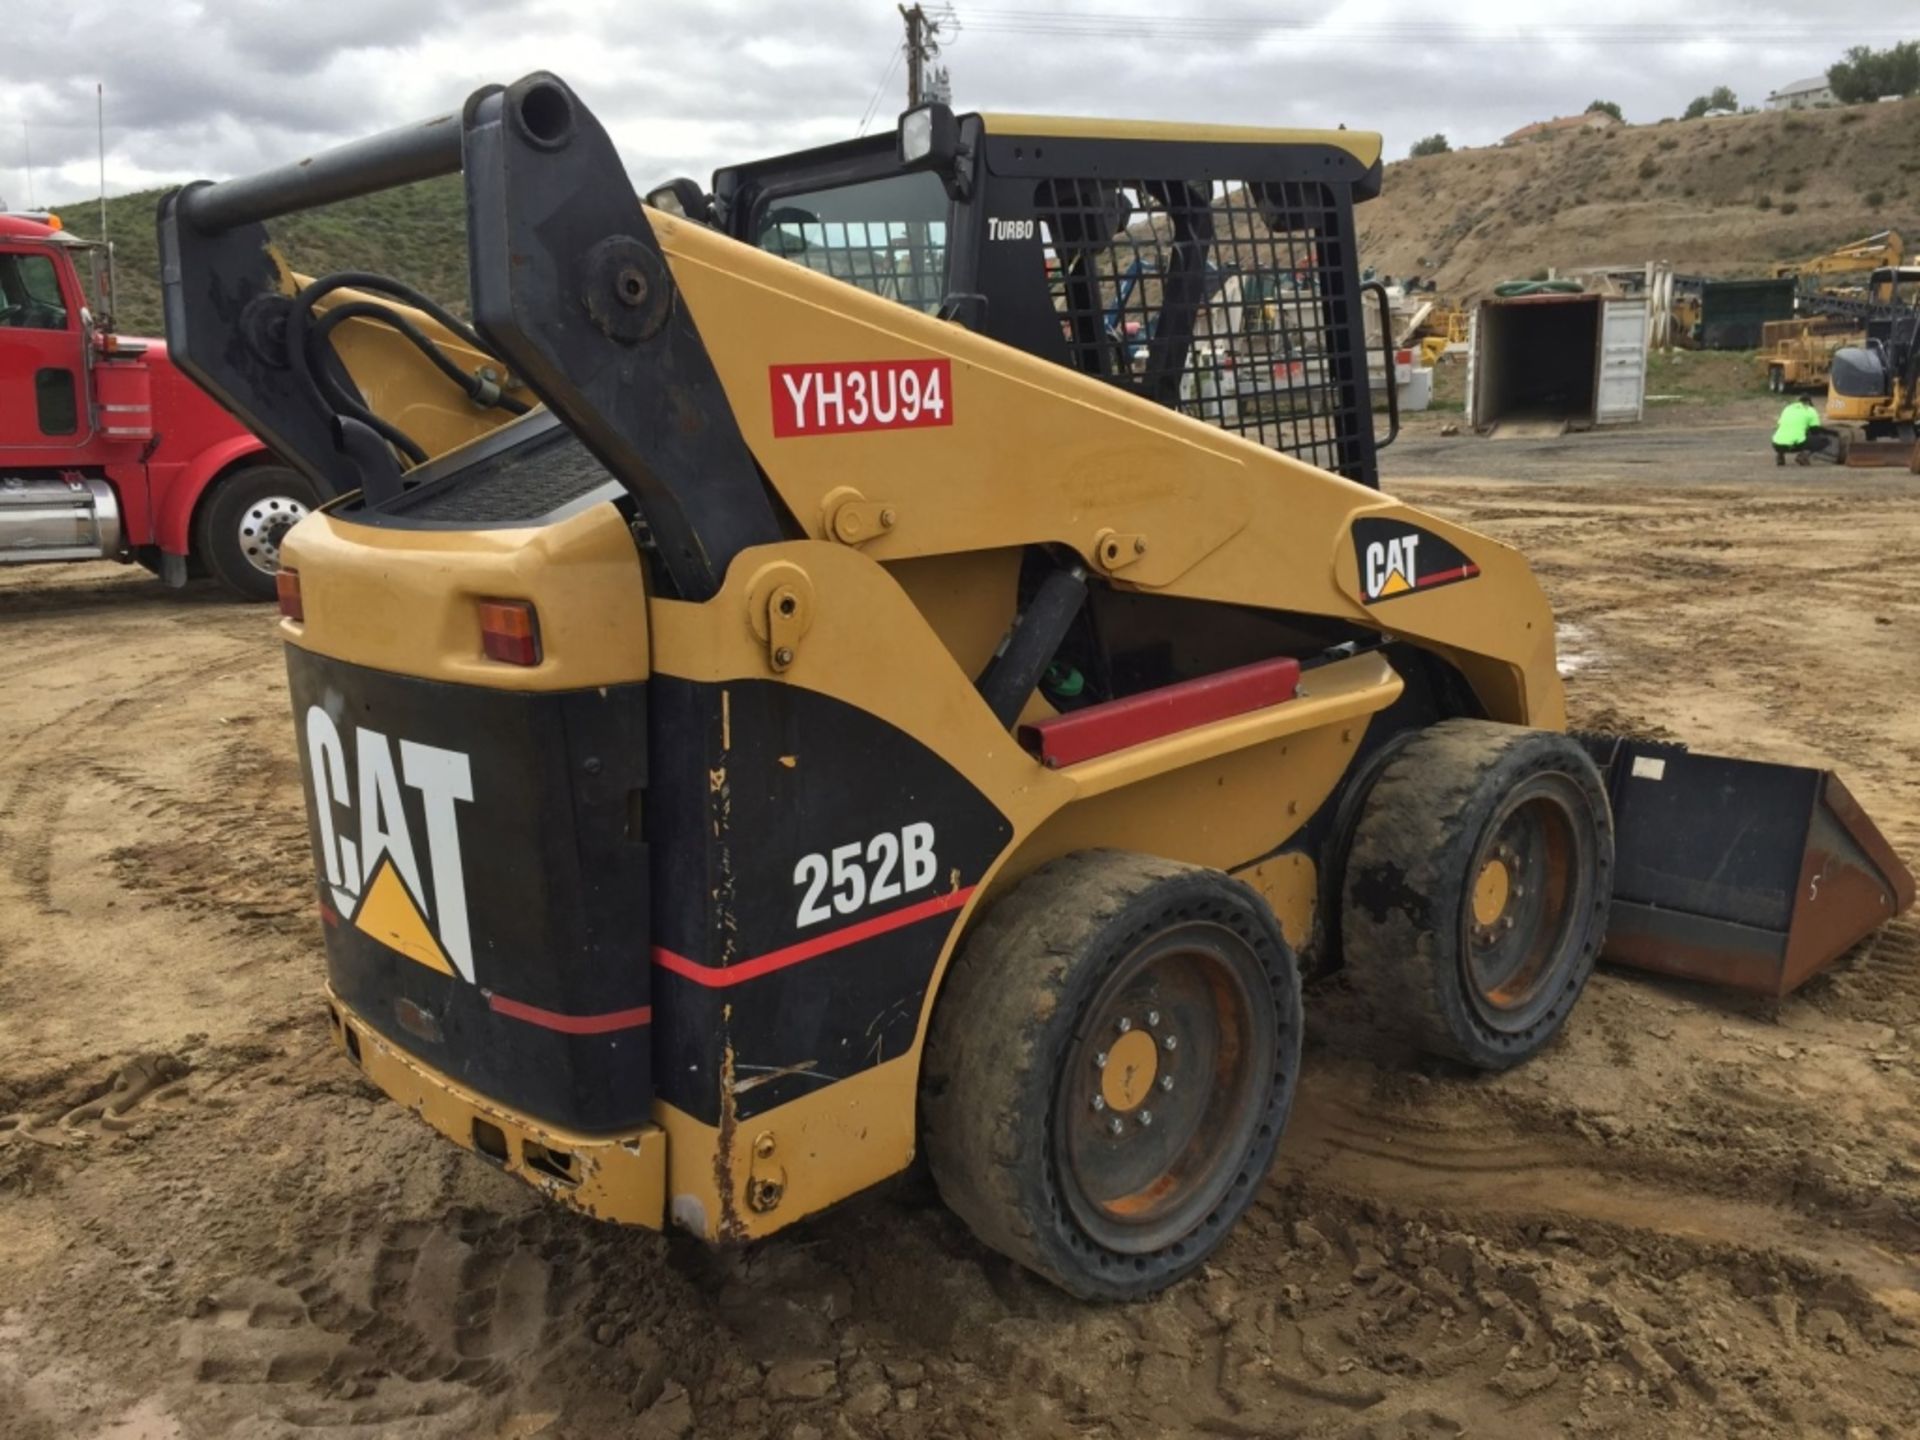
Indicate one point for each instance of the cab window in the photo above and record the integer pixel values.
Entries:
(30, 297)
(888, 236)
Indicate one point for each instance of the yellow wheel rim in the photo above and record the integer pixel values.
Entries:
(1132, 1062)
(1490, 891)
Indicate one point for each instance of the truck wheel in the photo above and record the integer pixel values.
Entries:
(238, 531)
(1110, 1065)
(1776, 379)
(1477, 889)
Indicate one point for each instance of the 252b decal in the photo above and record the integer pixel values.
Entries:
(848, 878)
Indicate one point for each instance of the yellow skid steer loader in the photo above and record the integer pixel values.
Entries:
(876, 703)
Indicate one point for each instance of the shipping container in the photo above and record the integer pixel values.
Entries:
(1556, 362)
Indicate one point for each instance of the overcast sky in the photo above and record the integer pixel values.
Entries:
(209, 88)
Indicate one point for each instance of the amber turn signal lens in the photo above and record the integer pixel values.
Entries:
(510, 632)
(286, 585)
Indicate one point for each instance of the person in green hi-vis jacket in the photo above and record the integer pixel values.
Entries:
(1798, 423)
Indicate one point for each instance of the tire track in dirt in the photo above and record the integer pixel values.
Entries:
(392, 1328)
(1476, 1163)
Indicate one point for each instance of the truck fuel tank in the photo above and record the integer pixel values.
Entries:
(61, 518)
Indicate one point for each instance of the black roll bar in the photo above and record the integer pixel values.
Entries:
(420, 151)
(568, 287)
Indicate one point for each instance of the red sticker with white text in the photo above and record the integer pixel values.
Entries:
(831, 399)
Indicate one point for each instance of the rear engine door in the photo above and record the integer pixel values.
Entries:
(43, 390)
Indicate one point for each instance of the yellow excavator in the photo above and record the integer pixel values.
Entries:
(1873, 387)
(1857, 257)
(873, 705)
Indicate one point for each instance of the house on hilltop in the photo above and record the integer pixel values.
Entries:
(1564, 125)
(1801, 94)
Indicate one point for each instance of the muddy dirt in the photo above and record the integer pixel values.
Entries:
(1695, 1215)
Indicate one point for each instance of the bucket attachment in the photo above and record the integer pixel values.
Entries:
(1736, 872)
(1858, 454)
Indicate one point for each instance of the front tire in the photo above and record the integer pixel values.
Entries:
(1110, 1065)
(241, 523)
(1477, 890)
(1776, 379)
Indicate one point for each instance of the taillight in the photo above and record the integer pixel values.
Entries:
(510, 632)
(286, 585)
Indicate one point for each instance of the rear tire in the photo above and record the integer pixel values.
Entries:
(242, 521)
(1112, 992)
(1477, 890)
(1776, 379)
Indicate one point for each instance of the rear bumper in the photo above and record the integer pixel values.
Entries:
(620, 1177)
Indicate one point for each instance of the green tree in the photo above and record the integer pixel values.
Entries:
(1432, 145)
(1605, 107)
(1720, 98)
(1867, 74)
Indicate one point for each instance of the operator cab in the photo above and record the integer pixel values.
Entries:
(1210, 269)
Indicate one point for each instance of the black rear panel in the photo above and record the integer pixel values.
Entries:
(483, 881)
(811, 862)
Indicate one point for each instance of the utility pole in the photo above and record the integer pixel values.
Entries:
(100, 122)
(923, 37)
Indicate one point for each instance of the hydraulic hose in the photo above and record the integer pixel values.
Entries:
(478, 389)
(304, 331)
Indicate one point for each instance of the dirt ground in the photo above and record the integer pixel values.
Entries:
(1695, 1216)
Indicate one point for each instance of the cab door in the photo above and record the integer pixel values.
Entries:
(43, 373)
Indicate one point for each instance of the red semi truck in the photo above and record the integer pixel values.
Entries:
(109, 452)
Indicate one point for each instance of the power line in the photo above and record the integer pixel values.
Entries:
(1239, 29)
(873, 105)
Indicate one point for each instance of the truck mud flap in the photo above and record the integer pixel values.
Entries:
(1739, 873)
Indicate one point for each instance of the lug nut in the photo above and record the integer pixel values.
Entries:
(1166, 1082)
(1115, 1126)
(1153, 1018)
(1172, 1042)
(1099, 1103)
(1146, 1117)
(1100, 1061)
(1125, 1024)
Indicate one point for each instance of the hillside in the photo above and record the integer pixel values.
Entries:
(1732, 196)
(417, 234)
(1685, 191)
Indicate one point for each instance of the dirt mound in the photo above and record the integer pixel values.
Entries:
(1687, 191)
(1695, 1216)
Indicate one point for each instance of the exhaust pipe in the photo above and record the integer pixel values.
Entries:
(1737, 872)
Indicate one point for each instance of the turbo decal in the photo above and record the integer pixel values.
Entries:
(1395, 558)
(833, 399)
(373, 868)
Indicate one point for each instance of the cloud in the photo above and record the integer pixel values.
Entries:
(209, 88)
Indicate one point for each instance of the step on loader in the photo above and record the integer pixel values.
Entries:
(874, 704)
